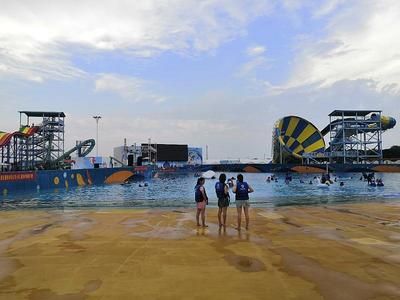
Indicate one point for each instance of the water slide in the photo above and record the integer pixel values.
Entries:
(84, 148)
(25, 131)
(386, 123)
(296, 137)
(354, 127)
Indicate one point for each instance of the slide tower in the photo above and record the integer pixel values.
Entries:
(355, 136)
(38, 144)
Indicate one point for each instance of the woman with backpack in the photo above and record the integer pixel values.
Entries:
(222, 191)
(201, 199)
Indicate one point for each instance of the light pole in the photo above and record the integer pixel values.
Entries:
(97, 118)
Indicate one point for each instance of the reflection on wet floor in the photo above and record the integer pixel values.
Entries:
(245, 263)
(330, 252)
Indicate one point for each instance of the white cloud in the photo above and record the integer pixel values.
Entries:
(251, 65)
(316, 7)
(328, 7)
(130, 88)
(362, 42)
(256, 60)
(33, 60)
(255, 50)
(36, 36)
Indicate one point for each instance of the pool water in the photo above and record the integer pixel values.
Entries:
(172, 191)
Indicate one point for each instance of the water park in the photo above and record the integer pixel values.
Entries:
(123, 227)
(35, 158)
(200, 150)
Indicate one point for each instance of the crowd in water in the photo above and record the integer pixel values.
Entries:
(322, 181)
(370, 178)
(326, 180)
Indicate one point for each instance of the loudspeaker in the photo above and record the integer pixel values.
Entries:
(130, 160)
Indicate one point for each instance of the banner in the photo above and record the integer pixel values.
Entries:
(17, 176)
(195, 156)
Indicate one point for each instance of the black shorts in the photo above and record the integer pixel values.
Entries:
(223, 202)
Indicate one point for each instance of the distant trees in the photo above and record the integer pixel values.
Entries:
(393, 153)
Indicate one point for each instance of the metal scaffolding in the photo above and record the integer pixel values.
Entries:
(47, 144)
(355, 136)
(37, 144)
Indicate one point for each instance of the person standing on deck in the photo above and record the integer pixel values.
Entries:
(201, 199)
(222, 191)
(242, 190)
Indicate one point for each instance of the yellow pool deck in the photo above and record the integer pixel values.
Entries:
(320, 252)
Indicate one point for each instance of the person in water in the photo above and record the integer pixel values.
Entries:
(201, 199)
(222, 191)
(242, 190)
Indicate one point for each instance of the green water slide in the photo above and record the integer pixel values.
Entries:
(83, 148)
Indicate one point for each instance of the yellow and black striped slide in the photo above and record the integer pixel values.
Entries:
(298, 136)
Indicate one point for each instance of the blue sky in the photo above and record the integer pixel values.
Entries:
(214, 72)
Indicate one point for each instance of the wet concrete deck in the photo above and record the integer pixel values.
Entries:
(326, 252)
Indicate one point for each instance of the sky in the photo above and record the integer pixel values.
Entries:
(197, 72)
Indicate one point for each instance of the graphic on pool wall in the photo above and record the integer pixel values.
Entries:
(50, 179)
(195, 156)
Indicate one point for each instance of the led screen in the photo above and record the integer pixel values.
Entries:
(172, 152)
